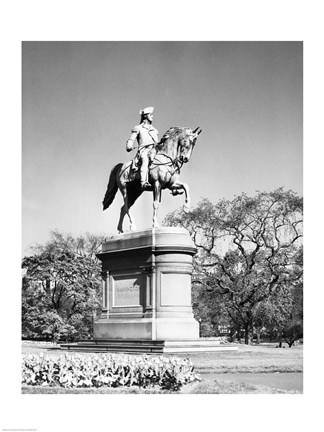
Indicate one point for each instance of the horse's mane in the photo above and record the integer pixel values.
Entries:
(170, 134)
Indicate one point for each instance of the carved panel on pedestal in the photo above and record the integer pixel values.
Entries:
(126, 290)
(175, 289)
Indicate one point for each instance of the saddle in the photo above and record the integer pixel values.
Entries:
(137, 162)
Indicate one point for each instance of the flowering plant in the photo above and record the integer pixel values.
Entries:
(97, 370)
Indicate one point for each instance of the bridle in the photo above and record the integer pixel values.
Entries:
(177, 162)
(172, 161)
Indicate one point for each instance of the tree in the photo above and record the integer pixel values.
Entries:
(293, 328)
(249, 250)
(208, 311)
(281, 316)
(61, 288)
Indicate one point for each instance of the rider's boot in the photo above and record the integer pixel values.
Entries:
(144, 183)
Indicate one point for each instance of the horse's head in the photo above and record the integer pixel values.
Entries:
(187, 141)
(178, 143)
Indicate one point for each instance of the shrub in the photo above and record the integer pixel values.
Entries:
(97, 370)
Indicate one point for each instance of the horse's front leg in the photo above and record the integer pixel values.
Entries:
(180, 185)
(156, 200)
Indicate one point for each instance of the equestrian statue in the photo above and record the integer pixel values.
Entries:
(155, 167)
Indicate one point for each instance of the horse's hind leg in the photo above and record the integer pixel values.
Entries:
(125, 210)
(121, 219)
(132, 225)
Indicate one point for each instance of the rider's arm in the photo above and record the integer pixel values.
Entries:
(130, 141)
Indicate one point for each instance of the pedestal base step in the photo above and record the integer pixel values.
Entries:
(149, 347)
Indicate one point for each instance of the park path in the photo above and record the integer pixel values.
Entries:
(279, 380)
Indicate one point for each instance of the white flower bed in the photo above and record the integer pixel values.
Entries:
(97, 370)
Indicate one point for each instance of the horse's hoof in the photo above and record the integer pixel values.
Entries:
(175, 192)
(186, 208)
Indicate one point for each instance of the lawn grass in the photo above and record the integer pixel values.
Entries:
(250, 358)
(219, 387)
(203, 387)
(255, 359)
(101, 390)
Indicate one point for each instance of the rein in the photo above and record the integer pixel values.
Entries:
(171, 163)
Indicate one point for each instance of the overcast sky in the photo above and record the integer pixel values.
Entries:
(81, 99)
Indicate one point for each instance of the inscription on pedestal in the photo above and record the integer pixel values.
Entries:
(127, 291)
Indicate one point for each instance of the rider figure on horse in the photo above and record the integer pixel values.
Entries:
(147, 138)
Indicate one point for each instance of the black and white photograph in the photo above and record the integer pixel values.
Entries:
(159, 255)
(210, 260)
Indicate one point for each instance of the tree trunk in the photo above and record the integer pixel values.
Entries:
(251, 336)
(246, 337)
(258, 335)
(239, 335)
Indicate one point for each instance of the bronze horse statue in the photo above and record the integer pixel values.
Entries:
(172, 152)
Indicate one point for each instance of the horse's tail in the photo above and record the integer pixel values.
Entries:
(112, 187)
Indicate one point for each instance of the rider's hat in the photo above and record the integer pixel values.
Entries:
(148, 110)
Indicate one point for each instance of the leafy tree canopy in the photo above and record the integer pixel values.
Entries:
(61, 287)
(249, 251)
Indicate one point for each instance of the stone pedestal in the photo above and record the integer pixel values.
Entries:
(147, 287)
(147, 296)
